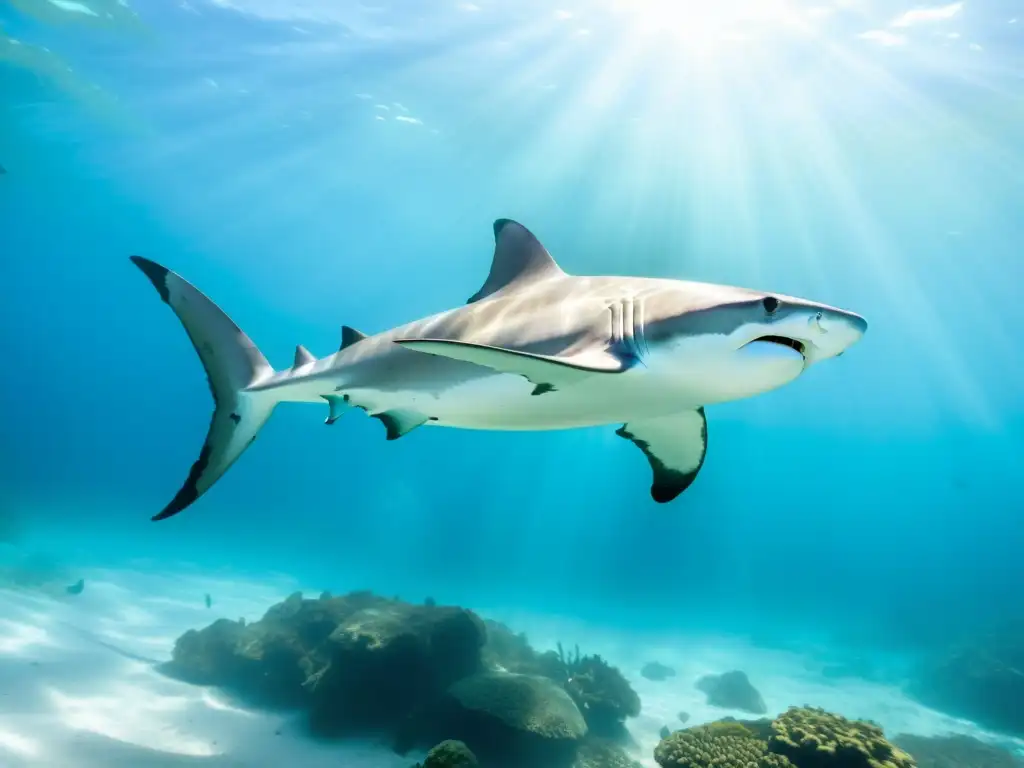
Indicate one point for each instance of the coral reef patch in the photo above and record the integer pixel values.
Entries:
(717, 745)
(600, 691)
(595, 753)
(814, 738)
(510, 719)
(478, 695)
(450, 754)
(801, 737)
(422, 676)
(356, 662)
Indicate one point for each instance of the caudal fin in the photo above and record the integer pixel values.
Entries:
(232, 364)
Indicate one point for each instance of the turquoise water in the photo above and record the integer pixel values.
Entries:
(314, 164)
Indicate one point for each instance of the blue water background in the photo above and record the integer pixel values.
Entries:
(877, 498)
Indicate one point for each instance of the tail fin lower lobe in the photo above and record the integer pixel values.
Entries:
(232, 363)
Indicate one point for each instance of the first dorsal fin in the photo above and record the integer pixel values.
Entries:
(350, 336)
(302, 357)
(519, 259)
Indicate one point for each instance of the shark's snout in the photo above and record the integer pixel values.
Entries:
(834, 331)
(815, 332)
(831, 320)
(858, 323)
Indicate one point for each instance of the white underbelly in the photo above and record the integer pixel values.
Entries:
(507, 402)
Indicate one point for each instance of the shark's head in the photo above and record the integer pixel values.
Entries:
(726, 343)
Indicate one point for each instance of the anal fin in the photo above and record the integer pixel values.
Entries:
(401, 422)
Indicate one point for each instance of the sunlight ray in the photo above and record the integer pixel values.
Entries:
(787, 177)
(20, 745)
(892, 275)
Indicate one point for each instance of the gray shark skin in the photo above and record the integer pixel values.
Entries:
(533, 349)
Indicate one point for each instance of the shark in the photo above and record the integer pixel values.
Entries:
(535, 348)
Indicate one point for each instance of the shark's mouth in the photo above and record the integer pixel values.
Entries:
(784, 341)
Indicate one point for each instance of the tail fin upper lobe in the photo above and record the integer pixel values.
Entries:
(232, 364)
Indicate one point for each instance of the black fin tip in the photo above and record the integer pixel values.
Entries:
(156, 274)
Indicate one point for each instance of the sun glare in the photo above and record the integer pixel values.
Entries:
(701, 23)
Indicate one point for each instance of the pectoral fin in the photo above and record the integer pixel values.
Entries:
(548, 373)
(675, 447)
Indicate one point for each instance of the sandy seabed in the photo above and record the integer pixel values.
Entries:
(78, 684)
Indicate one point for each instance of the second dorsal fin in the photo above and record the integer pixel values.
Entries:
(350, 336)
(302, 357)
(519, 260)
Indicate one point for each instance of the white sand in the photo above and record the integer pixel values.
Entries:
(78, 688)
(70, 696)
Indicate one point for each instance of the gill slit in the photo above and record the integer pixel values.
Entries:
(638, 328)
(627, 327)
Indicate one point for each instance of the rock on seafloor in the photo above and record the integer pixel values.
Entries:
(657, 671)
(982, 679)
(956, 752)
(732, 690)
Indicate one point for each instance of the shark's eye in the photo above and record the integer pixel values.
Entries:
(770, 304)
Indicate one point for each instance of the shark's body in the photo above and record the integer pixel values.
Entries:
(570, 315)
(534, 349)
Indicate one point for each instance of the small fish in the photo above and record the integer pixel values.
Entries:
(209, 600)
(76, 588)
